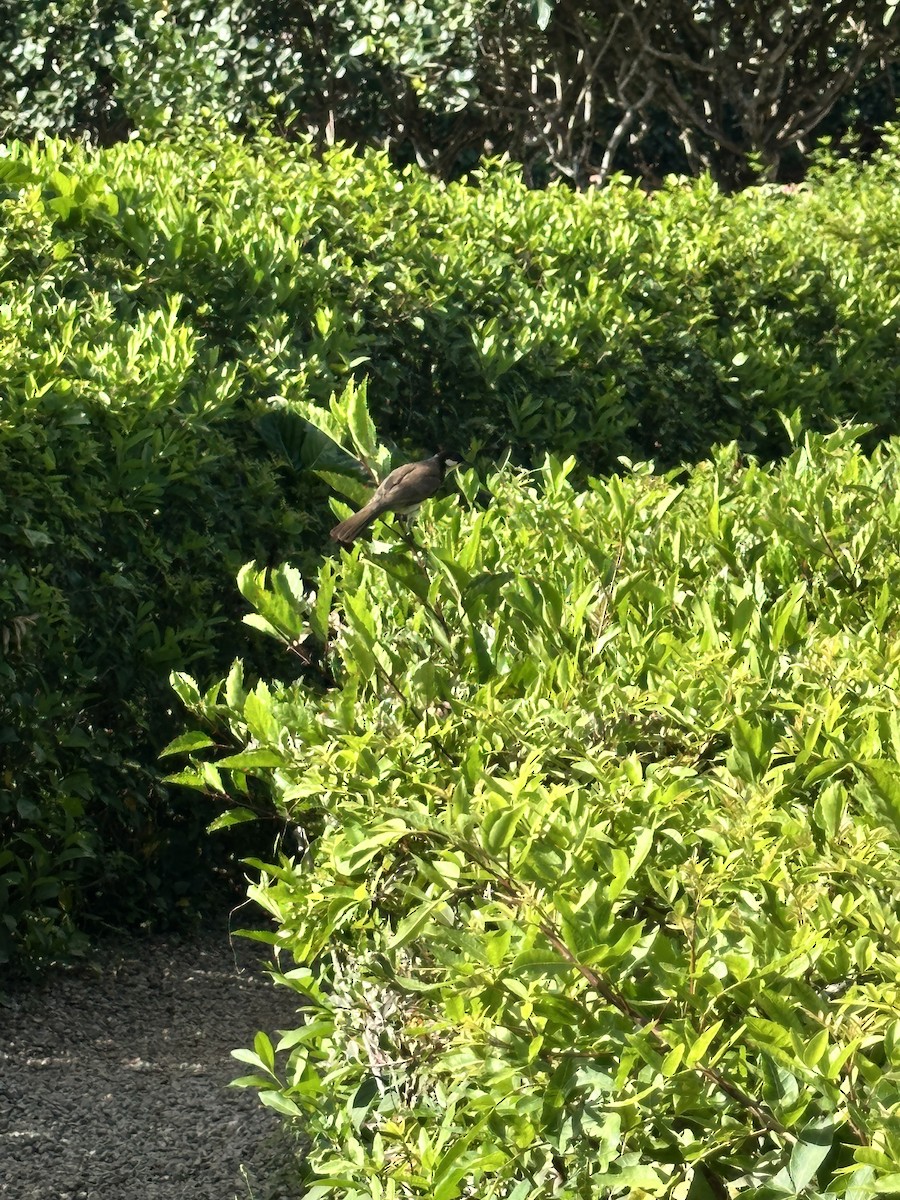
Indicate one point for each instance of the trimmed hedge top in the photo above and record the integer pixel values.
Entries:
(601, 324)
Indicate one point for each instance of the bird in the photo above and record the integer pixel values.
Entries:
(402, 491)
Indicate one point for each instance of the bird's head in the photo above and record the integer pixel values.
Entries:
(449, 458)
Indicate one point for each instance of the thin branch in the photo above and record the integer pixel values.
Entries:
(762, 1118)
(619, 133)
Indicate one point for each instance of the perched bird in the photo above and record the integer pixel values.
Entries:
(401, 492)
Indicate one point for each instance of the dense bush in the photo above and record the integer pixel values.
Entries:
(601, 892)
(156, 300)
(133, 485)
(603, 324)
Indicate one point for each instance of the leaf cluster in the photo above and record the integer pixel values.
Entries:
(601, 813)
(601, 325)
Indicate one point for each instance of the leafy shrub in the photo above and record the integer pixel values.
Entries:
(104, 69)
(133, 485)
(603, 803)
(169, 312)
(602, 325)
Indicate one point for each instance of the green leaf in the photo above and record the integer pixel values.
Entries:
(780, 1088)
(448, 1172)
(672, 1061)
(809, 1152)
(558, 1091)
(195, 779)
(828, 811)
(304, 446)
(186, 743)
(362, 427)
(251, 1057)
(485, 663)
(234, 816)
(248, 759)
(280, 1103)
(412, 924)
(234, 686)
(884, 1185)
(885, 775)
(320, 615)
(255, 621)
(499, 827)
(642, 847)
(542, 962)
(263, 1047)
(701, 1188)
(815, 1048)
(185, 688)
(697, 1051)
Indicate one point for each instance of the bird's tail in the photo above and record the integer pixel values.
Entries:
(348, 531)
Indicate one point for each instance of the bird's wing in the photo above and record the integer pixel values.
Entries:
(410, 484)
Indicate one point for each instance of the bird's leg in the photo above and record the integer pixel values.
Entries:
(404, 528)
(405, 522)
(419, 553)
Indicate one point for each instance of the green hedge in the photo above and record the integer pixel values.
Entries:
(603, 890)
(601, 324)
(156, 299)
(130, 496)
(133, 486)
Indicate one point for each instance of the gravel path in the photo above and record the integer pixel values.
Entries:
(113, 1077)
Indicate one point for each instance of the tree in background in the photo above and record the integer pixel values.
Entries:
(756, 77)
(570, 88)
(576, 81)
